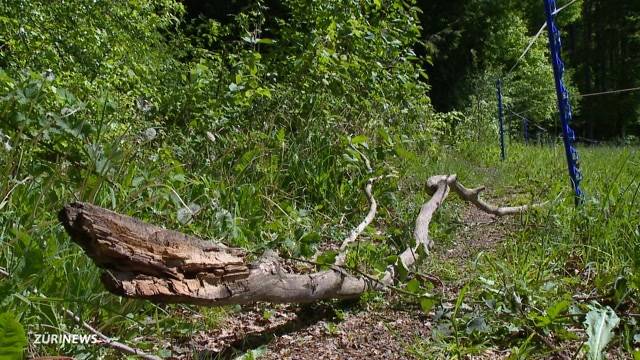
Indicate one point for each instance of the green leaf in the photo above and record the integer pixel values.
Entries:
(12, 337)
(426, 304)
(478, 324)
(360, 140)
(413, 286)
(558, 308)
(245, 160)
(621, 288)
(280, 135)
(253, 354)
(327, 257)
(460, 299)
(404, 153)
(311, 237)
(600, 324)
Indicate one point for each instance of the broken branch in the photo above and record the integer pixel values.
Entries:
(353, 236)
(148, 262)
(110, 342)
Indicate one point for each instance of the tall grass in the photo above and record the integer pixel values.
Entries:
(557, 262)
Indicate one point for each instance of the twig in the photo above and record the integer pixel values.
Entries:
(633, 315)
(353, 236)
(589, 297)
(429, 277)
(110, 342)
(548, 342)
(367, 163)
(17, 183)
(575, 354)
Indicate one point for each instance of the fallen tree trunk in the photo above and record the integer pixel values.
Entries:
(148, 262)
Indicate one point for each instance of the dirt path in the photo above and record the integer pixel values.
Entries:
(317, 332)
(479, 232)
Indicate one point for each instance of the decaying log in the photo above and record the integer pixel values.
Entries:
(125, 244)
(148, 262)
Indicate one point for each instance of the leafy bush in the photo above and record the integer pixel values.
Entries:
(249, 139)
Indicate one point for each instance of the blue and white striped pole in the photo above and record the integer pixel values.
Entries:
(564, 106)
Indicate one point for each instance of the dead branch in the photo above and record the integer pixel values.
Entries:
(411, 255)
(110, 342)
(473, 196)
(148, 262)
(353, 236)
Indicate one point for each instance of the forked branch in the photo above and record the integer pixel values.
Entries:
(148, 262)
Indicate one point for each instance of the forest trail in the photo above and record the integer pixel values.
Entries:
(381, 331)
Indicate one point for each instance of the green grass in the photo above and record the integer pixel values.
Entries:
(558, 262)
(267, 202)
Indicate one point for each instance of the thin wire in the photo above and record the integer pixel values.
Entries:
(535, 38)
(521, 113)
(610, 92)
(524, 118)
(518, 114)
(564, 7)
(526, 50)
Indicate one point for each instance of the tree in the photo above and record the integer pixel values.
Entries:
(606, 43)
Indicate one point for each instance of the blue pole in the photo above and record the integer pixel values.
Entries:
(500, 118)
(564, 106)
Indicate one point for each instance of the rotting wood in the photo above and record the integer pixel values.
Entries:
(148, 262)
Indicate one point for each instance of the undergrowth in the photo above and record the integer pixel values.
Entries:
(531, 297)
(256, 132)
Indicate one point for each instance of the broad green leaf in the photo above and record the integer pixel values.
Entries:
(426, 304)
(327, 257)
(600, 324)
(558, 308)
(12, 338)
(404, 153)
(413, 286)
(360, 139)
